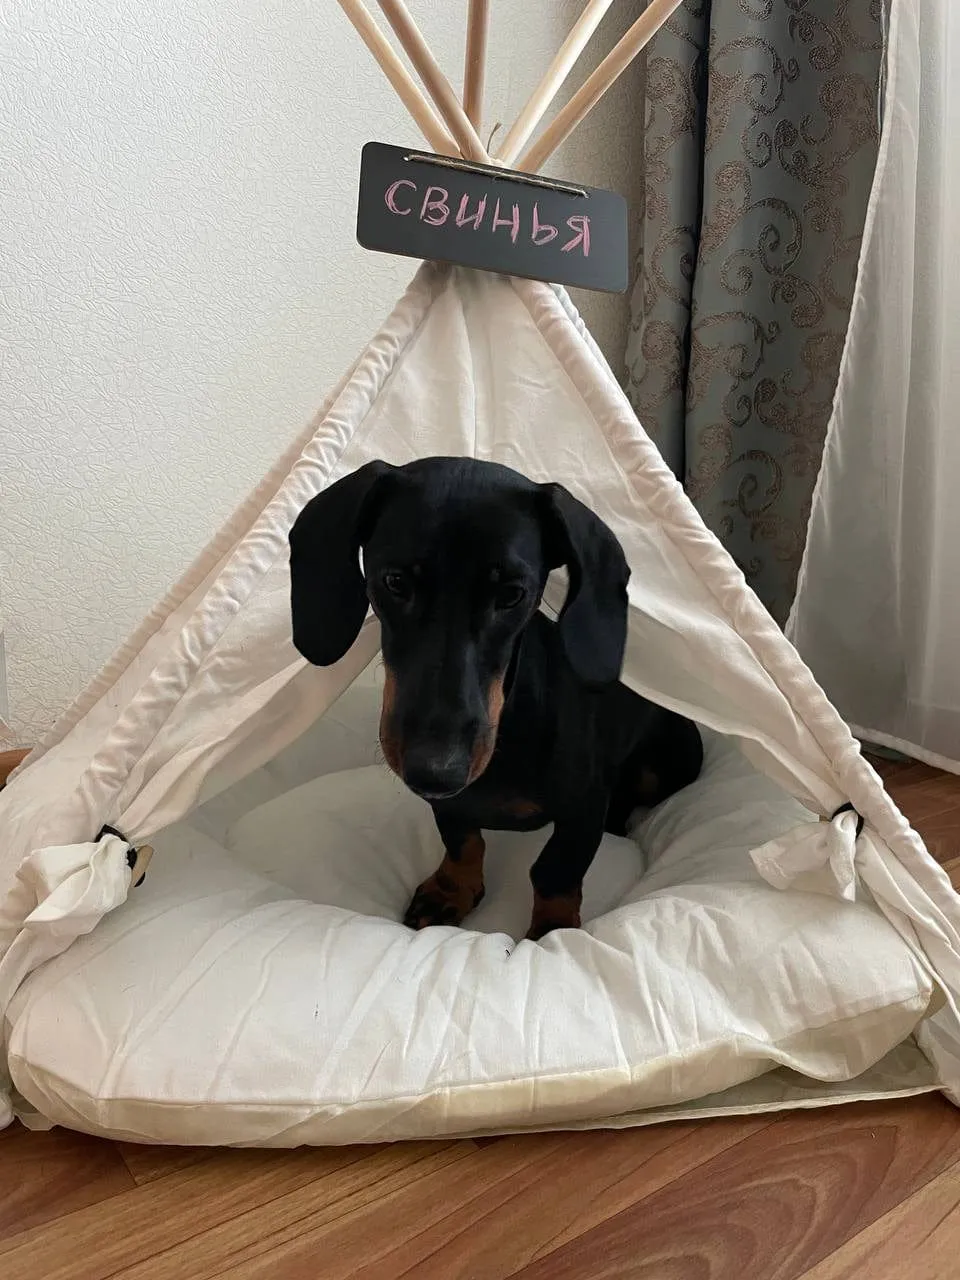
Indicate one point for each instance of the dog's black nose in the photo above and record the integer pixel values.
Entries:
(436, 773)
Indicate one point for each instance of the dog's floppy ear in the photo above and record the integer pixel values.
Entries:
(328, 595)
(593, 620)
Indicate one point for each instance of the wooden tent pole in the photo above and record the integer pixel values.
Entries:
(410, 95)
(597, 84)
(435, 82)
(553, 79)
(475, 61)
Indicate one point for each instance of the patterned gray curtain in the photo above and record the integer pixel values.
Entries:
(760, 137)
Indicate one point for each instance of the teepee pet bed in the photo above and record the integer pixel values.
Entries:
(774, 936)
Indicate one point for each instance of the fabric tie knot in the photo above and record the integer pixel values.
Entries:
(816, 857)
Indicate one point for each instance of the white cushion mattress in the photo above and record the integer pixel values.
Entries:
(260, 989)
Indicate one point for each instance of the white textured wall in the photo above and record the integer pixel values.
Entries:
(180, 282)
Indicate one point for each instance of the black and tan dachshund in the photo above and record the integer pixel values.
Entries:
(498, 717)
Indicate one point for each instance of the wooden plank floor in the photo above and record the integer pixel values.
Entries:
(862, 1191)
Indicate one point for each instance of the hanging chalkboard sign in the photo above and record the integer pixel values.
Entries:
(422, 205)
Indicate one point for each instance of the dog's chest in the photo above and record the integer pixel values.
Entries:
(502, 800)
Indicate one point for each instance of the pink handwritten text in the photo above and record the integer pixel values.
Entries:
(391, 196)
(436, 209)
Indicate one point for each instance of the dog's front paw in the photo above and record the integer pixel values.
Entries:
(553, 913)
(442, 900)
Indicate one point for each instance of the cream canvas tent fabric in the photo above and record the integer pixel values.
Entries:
(210, 687)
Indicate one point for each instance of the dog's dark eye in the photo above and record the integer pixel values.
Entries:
(398, 584)
(509, 595)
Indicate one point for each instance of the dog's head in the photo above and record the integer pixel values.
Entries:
(455, 556)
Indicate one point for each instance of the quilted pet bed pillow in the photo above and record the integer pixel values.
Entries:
(259, 988)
